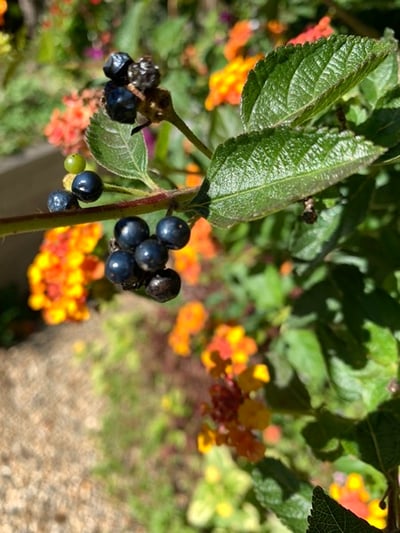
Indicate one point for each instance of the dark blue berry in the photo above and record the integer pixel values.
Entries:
(61, 200)
(164, 285)
(121, 104)
(173, 232)
(121, 266)
(87, 186)
(116, 67)
(144, 74)
(151, 255)
(129, 232)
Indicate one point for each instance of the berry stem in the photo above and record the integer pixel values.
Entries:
(110, 187)
(179, 198)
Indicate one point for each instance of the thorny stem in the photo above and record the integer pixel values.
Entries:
(179, 198)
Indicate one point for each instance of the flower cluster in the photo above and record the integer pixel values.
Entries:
(67, 127)
(190, 320)
(236, 415)
(321, 29)
(187, 261)
(62, 270)
(350, 492)
(3, 9)
(238, 36)
(226, 85)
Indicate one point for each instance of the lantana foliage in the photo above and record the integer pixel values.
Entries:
(318, 134)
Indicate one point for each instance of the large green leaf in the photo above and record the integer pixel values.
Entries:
(258, 173)
(115, 149)
(328, 516)
(277, 488)
(378, 437)
(296, 83)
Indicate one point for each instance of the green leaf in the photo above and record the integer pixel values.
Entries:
(278, 489)
(328, 516)
(168, 36)
(325, 433)
(312, 243)
(115, 149)
(381, 80)
(382, 126)
(304, 354)
(378, 437)
(258, 173)
(128, 33)
(296, 83)
(225, 122)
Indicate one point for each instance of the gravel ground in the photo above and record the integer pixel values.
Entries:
(48, 416)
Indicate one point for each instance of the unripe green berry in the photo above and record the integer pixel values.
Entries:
(74, 163)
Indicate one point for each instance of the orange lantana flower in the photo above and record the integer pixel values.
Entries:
(322, 29)
(238, 37)
(226, 85)
(62, 270)
(201, 246)
(3, 9)
(352, 494)
(190, 320)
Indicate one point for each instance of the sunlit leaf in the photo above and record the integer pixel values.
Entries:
(258, 173)
(115, 149)
(295, 83)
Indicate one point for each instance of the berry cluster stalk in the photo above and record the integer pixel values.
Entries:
(178, 198)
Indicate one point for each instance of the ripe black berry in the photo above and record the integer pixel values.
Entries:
(87, 186)
(116, 67)
(164, 285)
(129, 232)
(144, 74)
(61, 200)
(121, 266)
(121, 104)
(151, 255)
(173, 232)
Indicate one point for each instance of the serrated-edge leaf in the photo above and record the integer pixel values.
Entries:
(327, 515)
(114, 148)
(378, 439)
(277, 488)
(258, 173)
(297, 82)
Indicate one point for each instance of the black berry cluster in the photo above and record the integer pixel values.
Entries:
(86, 186)
(138, 259)
(121, 102)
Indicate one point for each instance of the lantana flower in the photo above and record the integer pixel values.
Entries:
(226, 85)
(61, 272)
(235, 414)
(201, 246)
(3, 9)
(190, 320)
(322, 29)
(66, 128)
(351, 493)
